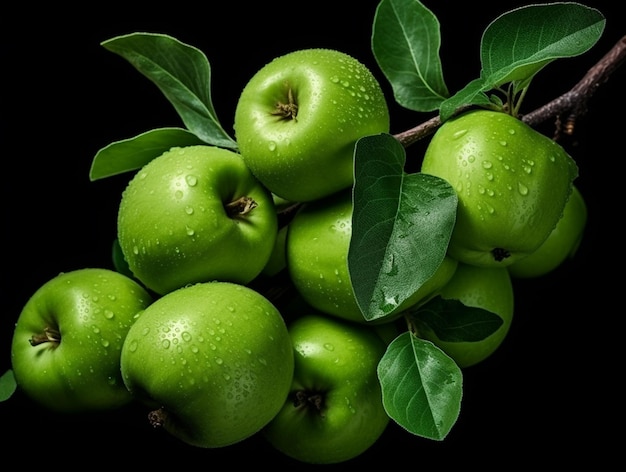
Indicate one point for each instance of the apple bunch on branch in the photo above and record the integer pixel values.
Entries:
(423, 259)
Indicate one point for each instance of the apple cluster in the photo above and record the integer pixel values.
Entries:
(181, 326)
(186, 324)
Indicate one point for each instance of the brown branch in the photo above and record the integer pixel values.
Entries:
(574, 102)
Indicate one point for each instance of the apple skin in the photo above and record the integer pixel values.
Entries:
(174, 228)
(562, 243)
(213, 359)
(91, 311)
(318, 240)
(512, 183)
(307, 155)
(489, 288)
(335, 363)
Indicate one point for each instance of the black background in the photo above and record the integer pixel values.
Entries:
(548, 399)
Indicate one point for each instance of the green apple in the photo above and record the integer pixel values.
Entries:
(196, 214)
(489, 288)
(562, 243)
(298, 118)
(334, 411)
(213, 361)
(318, 240)
(68, 338)
(512, 183)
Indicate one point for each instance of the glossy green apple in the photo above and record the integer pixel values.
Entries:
(334, 411)
(299, 116)
(512, 183)
(489, 288)
(214, 360)
(318, 240)
(195, 214)
(68, 338)
(562, 243)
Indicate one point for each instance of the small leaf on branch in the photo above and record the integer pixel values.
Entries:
(521, 42)
(405, 43)
(452, 321)
(182, 73)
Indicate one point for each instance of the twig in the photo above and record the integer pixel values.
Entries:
(574, 102)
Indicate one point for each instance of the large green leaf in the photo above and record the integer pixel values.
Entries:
(182, 73)
(521, 42)
(134, 153)
(422, 387)
(401, 226)
(405, 43)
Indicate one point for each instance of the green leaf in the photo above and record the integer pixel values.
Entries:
(8, 385)
(405, 42)
(422, 387)
(401, 226)
(472, 94)
(519, 43)
(134, 153)
(182, 73)
(453, 321)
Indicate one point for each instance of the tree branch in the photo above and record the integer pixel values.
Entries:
(573, 103)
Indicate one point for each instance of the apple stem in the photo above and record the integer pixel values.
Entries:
(304, 399)
(49, 335)
(240, 207)
(287, 110)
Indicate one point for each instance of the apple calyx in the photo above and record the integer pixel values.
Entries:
(240, 207)
(157, 417)
(49, 335)
(310, 400)
(288, 111)
(500, 254)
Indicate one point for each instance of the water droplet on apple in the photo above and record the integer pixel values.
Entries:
(329, 347)
(522, 189)
(186, 336)
(487, 164)
(108, 314)
(459, 134)
(191, 180)
(165, 343)
(271, 146)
